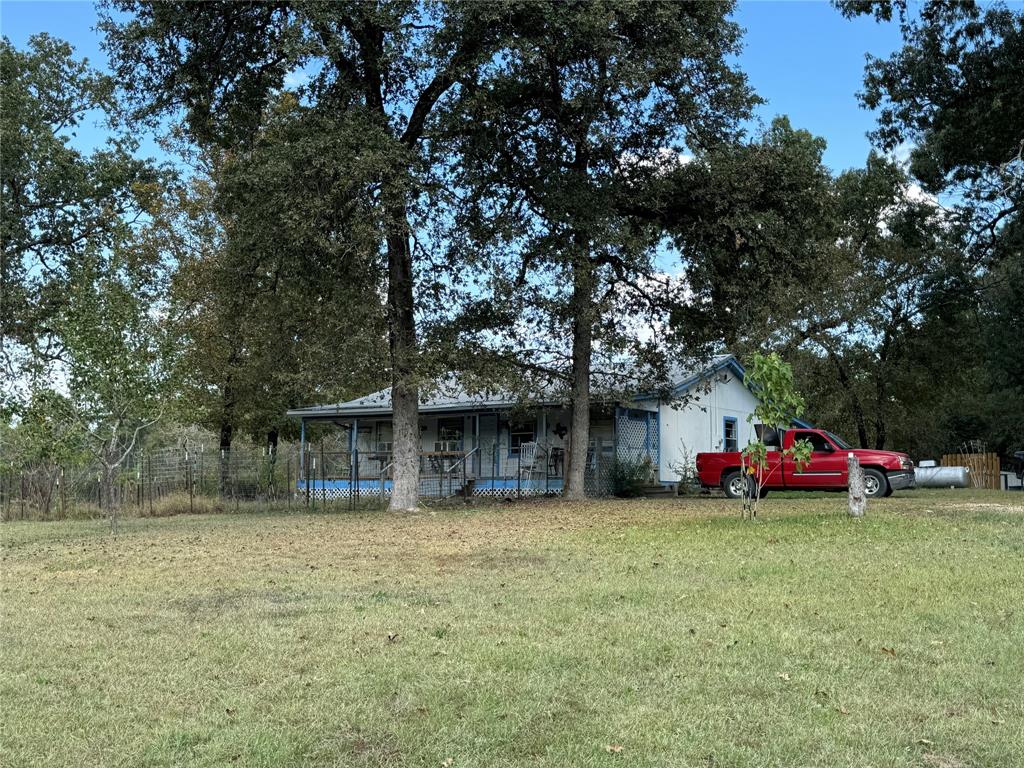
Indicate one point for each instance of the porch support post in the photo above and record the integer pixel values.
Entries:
(302, 447)
(352, 438)
(547, 449)
(478, 463)
(615, 431)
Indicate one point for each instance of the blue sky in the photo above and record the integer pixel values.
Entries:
(803, 57)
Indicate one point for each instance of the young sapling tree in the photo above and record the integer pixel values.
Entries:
(778, 402)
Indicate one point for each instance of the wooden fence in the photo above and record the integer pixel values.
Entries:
(984, 467)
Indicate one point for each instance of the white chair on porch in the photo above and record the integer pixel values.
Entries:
(531, 462)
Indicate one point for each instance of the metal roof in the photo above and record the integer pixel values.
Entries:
(449, 395)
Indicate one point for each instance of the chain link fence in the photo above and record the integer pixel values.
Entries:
(194, 479)
(151, 483)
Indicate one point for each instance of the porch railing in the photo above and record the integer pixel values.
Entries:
(491, 469)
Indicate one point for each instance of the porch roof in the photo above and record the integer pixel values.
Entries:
(446, 399)
(451, 397)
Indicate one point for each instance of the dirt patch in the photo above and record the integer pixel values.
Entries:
(510, 558)
(216, 603)
(942, 761)
(984, 507)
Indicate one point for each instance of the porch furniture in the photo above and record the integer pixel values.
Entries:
(441, 461)
(527, 457)
(448, 446)
(556, 462)
(532, 461)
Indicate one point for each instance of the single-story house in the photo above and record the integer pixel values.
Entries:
(491, 444)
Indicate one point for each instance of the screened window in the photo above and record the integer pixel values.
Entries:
(519, 433)
(449, 434)
(730, 435)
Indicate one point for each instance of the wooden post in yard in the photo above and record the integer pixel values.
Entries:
(858, 499)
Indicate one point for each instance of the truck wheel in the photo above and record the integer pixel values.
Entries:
(733, 484)
(876, 484)
(764, 492)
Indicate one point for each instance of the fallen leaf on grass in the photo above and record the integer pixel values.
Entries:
(925, 742)
(784, 676)
(448, 762)
(613, 749)
(392, 637)
(890, 651)
(842, 710)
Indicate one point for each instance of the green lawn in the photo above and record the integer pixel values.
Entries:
(642, 633)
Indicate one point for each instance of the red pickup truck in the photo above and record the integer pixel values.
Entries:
(884, 471)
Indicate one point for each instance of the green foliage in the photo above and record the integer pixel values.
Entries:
(779, 403)
(47, 432)
(778, 400)
(753, 223)
(629, 477)
(55, 200)
(267, 300)
(953, 92)
(933, 284)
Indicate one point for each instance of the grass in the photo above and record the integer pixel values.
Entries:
(614, 633)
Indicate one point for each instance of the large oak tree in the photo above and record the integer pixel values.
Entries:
(377, 72)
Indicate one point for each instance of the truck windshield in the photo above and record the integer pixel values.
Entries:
(839, 441)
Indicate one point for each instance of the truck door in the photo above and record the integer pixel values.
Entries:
(827, 468)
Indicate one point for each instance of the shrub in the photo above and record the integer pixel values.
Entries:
(178, 504)
(629, 477)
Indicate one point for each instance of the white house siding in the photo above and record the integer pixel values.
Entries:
(698, 426)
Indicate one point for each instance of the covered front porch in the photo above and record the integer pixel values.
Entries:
(493, 452)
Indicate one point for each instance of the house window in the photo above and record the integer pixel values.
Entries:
(520, 432)
(384, 436)
(449, 434)
(730, 434)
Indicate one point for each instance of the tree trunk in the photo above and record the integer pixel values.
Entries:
(271, 485)
(855, 406)
(881, 391)
(107, 490)
(224, 478)
(404, 390)
(582, 307)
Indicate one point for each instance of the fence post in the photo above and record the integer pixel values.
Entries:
(323, 475)
(188, 479)
(858, 500)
